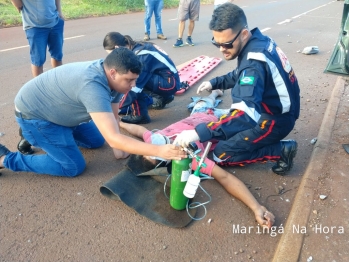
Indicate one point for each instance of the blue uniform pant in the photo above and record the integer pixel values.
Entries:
(258, 144)
(164, 84)
(62, 156)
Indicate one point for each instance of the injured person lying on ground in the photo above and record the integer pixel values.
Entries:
(203, 110)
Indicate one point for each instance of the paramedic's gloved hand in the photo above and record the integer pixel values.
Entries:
(183, 139)
(204, 86)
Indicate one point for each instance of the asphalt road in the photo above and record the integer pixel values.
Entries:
(46, 218)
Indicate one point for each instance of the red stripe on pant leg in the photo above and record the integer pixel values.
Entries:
(136, 109)
(266, 134)
(217, 124)
(122, 101)
(265, 158)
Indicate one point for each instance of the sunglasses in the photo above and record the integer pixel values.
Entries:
(227, 45)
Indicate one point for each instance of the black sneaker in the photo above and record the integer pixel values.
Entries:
(25, 147)
(136, 119)
(159, 102)
(288, 152)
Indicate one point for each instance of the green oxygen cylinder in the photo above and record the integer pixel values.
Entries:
(181, 169)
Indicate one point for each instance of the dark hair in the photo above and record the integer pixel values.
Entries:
(123, 60)
(228, 16)
(115, 38)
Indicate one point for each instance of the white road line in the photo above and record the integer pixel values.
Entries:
(18, 47)
(23, 46)
(74, 37)
(311, 10)
(265, 29)
(288, 20)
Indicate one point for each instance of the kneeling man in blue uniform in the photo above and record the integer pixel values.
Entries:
(264, 92)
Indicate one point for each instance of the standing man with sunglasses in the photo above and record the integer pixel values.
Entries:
(265, 97)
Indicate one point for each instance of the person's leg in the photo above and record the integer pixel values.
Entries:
(55, 44)
(194, 11)
(162, 87)
(191, 27)
(149, 9)
(189, 40)
(139, 111)
(55, 63)
(259, 144)
(237, 189)
(37, 39)
(183, 15)
(181, 28)
(205, 104)
(62, 158)
(23, 145)
(126, 102)
(157, 13)
(37, 70)
(87, 135)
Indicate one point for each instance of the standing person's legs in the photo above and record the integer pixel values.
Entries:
(55, 43)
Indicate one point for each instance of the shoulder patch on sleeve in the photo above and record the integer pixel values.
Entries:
(247, 80)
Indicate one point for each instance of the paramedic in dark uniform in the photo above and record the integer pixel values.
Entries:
(265, 97)
(158, 81)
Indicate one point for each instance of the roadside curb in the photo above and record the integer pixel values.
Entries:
(290, 244)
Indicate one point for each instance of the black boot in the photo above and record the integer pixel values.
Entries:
(139, 113)
(132, 119)
(288, 152)
(24, 146)
(159, 102)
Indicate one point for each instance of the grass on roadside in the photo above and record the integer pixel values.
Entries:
(73, 9)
